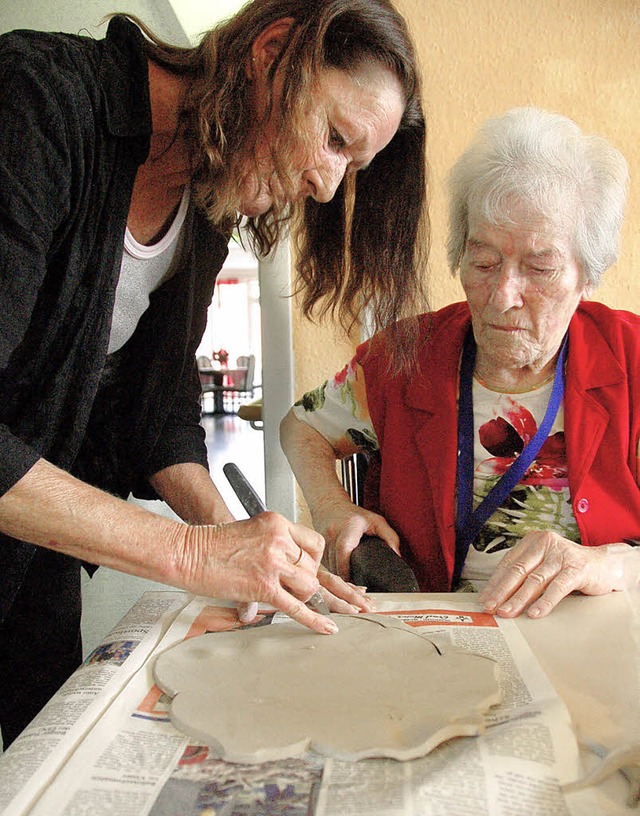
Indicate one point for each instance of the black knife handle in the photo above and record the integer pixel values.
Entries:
(253, 504)
(248, 497)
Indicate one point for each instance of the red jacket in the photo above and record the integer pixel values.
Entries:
(415, 418)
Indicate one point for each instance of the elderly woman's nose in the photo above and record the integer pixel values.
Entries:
(322, 181)
(506, 291)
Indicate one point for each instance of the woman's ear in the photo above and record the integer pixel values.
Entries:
(587, 292)
(268, 45)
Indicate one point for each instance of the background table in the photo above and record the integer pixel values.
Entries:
(216, 381)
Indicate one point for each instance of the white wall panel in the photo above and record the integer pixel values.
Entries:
(84, 16)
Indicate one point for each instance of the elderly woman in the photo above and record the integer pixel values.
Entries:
(508, 453)
(125, 163)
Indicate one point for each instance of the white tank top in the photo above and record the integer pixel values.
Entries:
(143, 269)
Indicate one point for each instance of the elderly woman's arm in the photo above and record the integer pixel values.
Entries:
(544, 567)
(342, 523)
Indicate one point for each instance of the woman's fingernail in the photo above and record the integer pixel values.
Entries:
(249, 613)
(330, 627)
(505, 609)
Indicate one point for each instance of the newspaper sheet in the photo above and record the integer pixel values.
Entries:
(132, 761)
(28, 767)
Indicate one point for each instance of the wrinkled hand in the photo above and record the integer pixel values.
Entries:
(343, 524)
(266, 558)
(340, 596)
(544, 567)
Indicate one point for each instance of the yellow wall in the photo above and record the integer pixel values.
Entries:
(482, 57)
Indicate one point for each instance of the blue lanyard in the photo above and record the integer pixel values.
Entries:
(469, 521)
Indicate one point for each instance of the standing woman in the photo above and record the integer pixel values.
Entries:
(303, 110)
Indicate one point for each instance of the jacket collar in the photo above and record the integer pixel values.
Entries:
(124, 81)
(595, 365)
(435, 384)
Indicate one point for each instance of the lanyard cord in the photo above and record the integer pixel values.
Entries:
(469, 521)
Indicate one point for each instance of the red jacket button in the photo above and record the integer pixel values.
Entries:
(582, 506)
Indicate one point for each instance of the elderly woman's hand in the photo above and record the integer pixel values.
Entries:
(544, 567)
(343, 524)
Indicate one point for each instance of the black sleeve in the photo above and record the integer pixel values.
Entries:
(35, 183)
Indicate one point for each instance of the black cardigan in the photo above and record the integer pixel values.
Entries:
(75, 126)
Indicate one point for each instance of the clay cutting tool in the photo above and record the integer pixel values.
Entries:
(253, 504)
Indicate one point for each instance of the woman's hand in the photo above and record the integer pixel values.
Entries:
(343, 524)
(340, 521)
(266, 559)
(342, 596)
(544, 567)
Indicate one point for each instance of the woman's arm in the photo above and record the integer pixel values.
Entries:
(189, 490)
(242, 561)
(191, 493)
(342, 523)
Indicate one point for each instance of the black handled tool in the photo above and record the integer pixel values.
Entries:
(248, 497)
(375, 565)
(253, 504)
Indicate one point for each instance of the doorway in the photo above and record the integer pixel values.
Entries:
(234, 330)
(233, 323)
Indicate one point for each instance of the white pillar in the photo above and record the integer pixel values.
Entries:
(277, 375)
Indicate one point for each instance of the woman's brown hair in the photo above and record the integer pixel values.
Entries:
(369, 245)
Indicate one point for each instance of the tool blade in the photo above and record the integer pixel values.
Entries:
(318, 603)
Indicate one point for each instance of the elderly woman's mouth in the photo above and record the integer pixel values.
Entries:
(508, 329)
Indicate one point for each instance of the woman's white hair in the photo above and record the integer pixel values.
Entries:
(544, 161)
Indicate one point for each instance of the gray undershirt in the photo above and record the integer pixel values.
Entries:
(143, 269)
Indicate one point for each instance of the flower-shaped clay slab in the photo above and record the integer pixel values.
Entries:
(377, 688)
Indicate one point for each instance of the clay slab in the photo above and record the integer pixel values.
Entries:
(377, 688)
